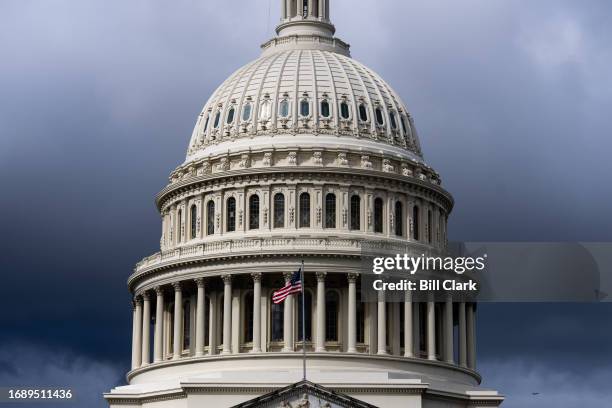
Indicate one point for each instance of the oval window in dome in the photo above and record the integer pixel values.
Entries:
(217, 119)
(344, 110)
(304, 108)
(363, 113)
(230, 116)
(393, 120)
(265, 110)
(284, 109)
(246, 112)
(379, 117)
(325, 109)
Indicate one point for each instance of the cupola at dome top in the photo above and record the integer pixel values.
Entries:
(305, 17)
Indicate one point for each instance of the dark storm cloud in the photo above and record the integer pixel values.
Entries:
(98, 100)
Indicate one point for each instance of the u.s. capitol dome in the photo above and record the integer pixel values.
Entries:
(303, 155)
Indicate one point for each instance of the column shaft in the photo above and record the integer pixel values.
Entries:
(199, 344)
(137, 334)
(320, 343)
(227, 314)
(382, 323)
(256, 313)
(352, 313)
(448, 330)
(431, 331)
(471, 335)
(408, 332)
(288, 320)
(462, 336)
(146, 330)
(178, 321)
(159, 326)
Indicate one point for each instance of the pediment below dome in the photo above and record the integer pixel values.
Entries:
(304, 394)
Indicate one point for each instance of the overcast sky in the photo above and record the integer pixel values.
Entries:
(512, 100)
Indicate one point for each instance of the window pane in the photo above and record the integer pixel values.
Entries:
(231, 214)
(248, 318)
(331, 316)
(254, 212)
(308, 309)
(194, 221)
(378, 215)
(284, 109)
(304, 108)
(399, 219)
(279, 211)
(210, 218)
(217, 118)
(305, 210)
(330, 211)
(276, 317)
(363, 113)
(393, 121)
(325, 109)
(379, 117)
(355, 212)
(403, 120)
(415, 223)
(230, 116)
(265, 110)
(206, 124)
(180, 226)
(246, 112)
(344, 110)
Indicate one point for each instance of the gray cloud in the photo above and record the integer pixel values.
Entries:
(98, 101)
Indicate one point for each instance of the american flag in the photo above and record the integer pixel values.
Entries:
(293, 286)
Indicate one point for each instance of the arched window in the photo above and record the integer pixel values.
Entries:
(217, 119)
(393, 120)
(230, 116)
(378, 215)
(304, 108)
(254, 212)
(345, 112)
(248, 318)
(180, 225)
(355, 212)
(415, 222)
(283, 110)
(379, 117)
(330, 210)
(399, 219)
(279, 210)
(325, 111)
(194, 220)
(277, 313)
(246, 112)
(231, 214)
(363, 113)
(265, 110)
(429, 229)
(332, 303)
(210, 218)
(308, 320)
(304, 210)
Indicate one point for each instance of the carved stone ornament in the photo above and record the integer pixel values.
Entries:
(317, 158)
(245, 161)
(387, 167)
(224, 164)
(342, 160)
(365, 162)
(292, 158)
(291, 215)
(267, 159)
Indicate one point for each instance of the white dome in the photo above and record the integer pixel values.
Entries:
(304, 86)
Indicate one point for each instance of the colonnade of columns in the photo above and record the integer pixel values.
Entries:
(442, 350)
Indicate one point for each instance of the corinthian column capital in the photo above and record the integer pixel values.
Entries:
(256, 276)
(352, 277)
(227, 278)
(199, 282)
(321, 276)
(176, 286)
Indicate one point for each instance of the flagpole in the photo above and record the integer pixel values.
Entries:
(303, 322)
